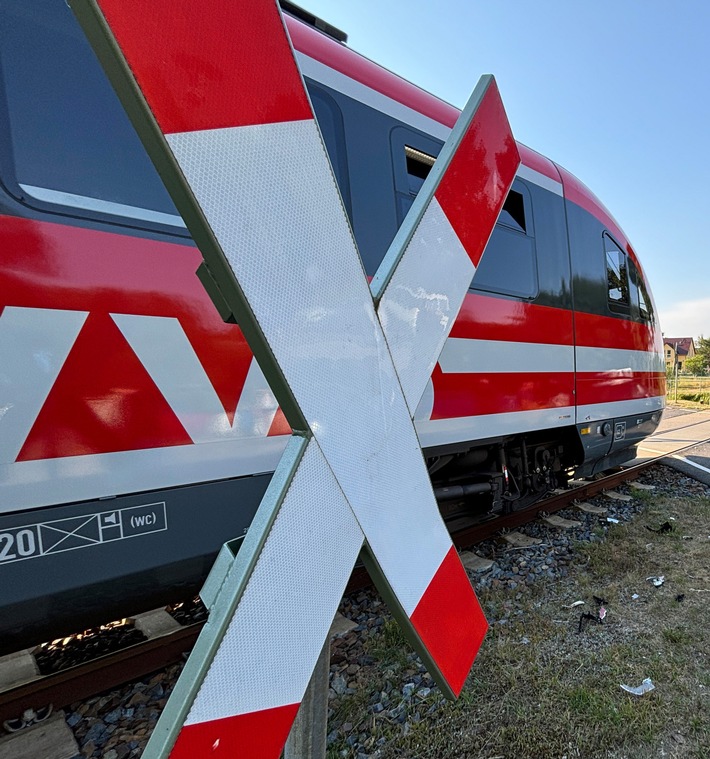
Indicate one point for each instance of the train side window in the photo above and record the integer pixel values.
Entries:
(330, 121)
(617, 276)
(70, 144)
(645, 307)
(509, 263)
(413, 155)
(418, 167)
(642, 299)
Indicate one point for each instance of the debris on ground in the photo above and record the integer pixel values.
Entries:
(29, 717)
(645, 687)
(587, 616)
(665, 527)
(657, 581)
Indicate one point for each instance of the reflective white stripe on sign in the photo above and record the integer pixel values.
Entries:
(248, 185)
(306, 578)
(164, 350)
(596, 411)
(612, 359)
(464, 356)
(34, 344)
(423, 298)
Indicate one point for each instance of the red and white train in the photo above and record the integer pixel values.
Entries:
(137, 433)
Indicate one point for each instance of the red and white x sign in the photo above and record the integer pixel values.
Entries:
(214, 91)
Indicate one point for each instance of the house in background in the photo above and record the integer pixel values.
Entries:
(678, 349)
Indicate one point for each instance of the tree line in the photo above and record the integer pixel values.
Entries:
(700, 362)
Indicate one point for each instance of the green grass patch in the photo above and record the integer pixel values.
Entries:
(540, 689)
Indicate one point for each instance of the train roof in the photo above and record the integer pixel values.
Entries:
(325, 49)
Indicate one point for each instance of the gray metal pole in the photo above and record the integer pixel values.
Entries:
(307, 739)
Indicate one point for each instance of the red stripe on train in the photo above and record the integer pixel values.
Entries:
(484, 317)
(608, 387)
(477, 394)
(610, 332)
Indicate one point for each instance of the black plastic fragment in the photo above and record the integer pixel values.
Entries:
(665, 527)
(587, 616)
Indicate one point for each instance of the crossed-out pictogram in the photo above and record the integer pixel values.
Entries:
(216, 95)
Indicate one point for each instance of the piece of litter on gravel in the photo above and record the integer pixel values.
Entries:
(657, 581)
(612, 520)
(525, 641)
(617, 496)
(519, 540)
(572, 605)
(645, 687)
(587, 616)
(680, 597)
(635, 596)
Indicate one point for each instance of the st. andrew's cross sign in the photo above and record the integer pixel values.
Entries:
(214, 91)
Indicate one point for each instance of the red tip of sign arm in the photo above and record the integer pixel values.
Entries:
(237, 70)
(255, 735)
(475, 185)
(450, 621)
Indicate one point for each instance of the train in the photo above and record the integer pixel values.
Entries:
(137, 432)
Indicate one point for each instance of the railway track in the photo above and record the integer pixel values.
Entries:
(109, 671)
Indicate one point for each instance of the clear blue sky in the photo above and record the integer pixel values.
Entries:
(618, 92)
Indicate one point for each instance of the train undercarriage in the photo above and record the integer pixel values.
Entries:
(503, 475)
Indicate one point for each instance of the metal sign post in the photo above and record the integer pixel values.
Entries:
(214, 91)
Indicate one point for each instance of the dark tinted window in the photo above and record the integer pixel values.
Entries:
(418, 167)
(71, 142)
(413, 155)
(330, 121)
(617, 275)
(509, 264)
(642, 299)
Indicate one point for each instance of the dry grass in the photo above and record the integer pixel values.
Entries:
(539, 688)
